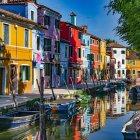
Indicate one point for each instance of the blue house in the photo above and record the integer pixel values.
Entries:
(86, 41)
(64, 61)
(29, 11)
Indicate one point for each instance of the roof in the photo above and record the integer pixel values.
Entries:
(73, 14)
(94, 37)
(14, 2)
(64, 41)
(132, 55)
(6, 15)
(71, 25)
(115, 45)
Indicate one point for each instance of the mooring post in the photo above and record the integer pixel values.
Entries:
(42, 135)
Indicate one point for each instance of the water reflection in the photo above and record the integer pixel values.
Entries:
(79, 122)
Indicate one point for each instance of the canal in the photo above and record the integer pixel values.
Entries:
(101, 119)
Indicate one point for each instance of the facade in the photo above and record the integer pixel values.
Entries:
(95, 51)
(51, 20)
(103, 58)
(28, 9)
(132, 64)
(120, 59)
(64, 62)
(16, 69)
(86, 53)
(72, 33)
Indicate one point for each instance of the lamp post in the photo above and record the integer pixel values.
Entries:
(1, 49)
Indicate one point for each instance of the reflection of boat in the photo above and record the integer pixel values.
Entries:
(131, 129)
(18, 119)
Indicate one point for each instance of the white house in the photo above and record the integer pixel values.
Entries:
(120, 59)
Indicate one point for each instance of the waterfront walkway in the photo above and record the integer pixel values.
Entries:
(21, 99)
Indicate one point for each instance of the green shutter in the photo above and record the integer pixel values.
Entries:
(21, 73)
(88, 56)
(28, 72)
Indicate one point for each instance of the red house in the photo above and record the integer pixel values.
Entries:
(95, 51)
(72, 33)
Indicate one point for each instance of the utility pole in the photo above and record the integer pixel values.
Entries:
(42, 135)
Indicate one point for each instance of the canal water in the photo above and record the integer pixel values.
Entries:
(102, 119)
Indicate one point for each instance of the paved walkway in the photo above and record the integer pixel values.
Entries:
(7, 101)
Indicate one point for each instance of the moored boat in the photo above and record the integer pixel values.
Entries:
(131, 129)
(18, 119)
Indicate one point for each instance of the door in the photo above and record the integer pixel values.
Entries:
(13, 79)
(35, 77)
(2, 80)
(119, 73)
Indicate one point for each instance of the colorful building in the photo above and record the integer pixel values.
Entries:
(64, 62)
(16, 65)
(28, 9)
(86, 53)
(132, 64)
(73, 34)
(51, 20)
(95, 51)
(120, 59)
(102, 58)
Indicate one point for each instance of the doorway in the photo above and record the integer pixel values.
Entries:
(35, 77)
(2, 80)
(119, 73)
(13, 79)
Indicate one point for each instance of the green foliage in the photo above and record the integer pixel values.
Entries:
(129, 21)
(108, 40)
(31, 102)
(66, 95)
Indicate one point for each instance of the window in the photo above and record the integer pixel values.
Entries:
(57, 24)
(47, 44)
(133, 62)
(46, 20)
(123, 62)
(128, 61)
(123, 72)
(97, 42)
(26, 38)
(115, 52)
(97, 57)
(84, 41)
(79, 52)
(88, 43)
(70, 32)
(134, 72)
(58, 69)
(6, 33)
(66, 51)
(47, 69)
(70, 51)
(24, 73)
(122, 52)
(91, 41)
(57, 47)
(38, 43)
(79, 35)
(32, 15)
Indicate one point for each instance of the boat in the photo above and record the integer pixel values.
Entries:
(120, 84)
(131, 129)
(17, 119)
(61, 104)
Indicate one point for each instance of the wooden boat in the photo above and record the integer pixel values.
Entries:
(61, 105)
(18, 119)
(131, 129)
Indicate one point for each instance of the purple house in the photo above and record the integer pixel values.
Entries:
(51, 20)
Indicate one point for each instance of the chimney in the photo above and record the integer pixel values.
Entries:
(73, 18)
(85, 28)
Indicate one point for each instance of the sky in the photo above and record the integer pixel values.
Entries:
(89, 12)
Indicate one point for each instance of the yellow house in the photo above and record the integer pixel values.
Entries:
(102, 56)
(133, 64)
(16, 53)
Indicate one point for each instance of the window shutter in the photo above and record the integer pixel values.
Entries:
(88, 56)
(21, 73)
(28, 72)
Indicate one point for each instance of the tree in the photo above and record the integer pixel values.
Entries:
(129, 22)
(110, 40)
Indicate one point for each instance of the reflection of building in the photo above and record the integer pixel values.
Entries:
(117, 103)
(120, 57)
